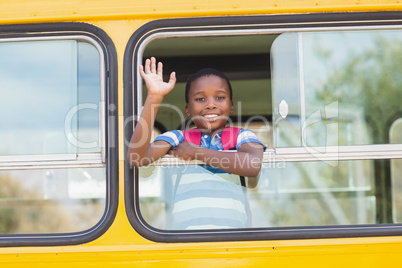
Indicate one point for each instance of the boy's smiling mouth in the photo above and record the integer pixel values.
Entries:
(211, 117)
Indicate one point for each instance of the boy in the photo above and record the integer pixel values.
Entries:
(208, 103)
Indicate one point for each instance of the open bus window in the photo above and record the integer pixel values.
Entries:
(248, 71)
(323, 103)
(53, 176)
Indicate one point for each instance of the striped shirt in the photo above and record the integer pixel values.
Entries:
(208, 200)
(206, 197)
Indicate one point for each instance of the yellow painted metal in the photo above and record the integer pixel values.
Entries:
(366, 252)
(121, 246)
(61, 10)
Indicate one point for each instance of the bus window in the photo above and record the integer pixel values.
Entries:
(52, 167)
(313, 98)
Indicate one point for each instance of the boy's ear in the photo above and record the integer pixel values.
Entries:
(187, 111)
(231, 107)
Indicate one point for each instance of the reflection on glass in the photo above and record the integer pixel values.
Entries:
(51, 200)
(347, 85)
(89, 99)
(288, 194)
(49, 94)
(314, 193)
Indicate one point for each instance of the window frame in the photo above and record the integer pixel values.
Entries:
(106, 158)
(269, 24)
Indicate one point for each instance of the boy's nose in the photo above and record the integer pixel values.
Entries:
(211, 104)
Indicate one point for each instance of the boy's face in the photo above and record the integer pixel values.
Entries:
(209, 103)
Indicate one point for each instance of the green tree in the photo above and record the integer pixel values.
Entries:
(371, 80)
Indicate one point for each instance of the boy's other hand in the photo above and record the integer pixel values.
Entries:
(152, 74)
(185, 151)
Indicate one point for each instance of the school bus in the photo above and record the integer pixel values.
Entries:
(319, 82)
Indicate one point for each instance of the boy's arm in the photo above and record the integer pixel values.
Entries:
(140, 151)
(246, 161)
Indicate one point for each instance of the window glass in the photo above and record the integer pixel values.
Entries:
(51, 200)
(288, 194)
(50, 95)
(396, 171)
(336, 88)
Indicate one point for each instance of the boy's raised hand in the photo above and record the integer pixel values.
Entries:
(153, 77)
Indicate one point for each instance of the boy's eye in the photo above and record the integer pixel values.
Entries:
(220, 97)
(199, 99)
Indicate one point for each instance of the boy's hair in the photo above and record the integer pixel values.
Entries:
(207, 72)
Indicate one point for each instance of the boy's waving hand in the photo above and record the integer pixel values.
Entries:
(153, 77)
